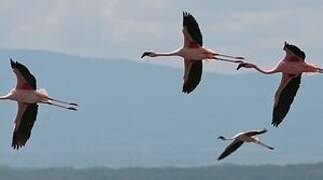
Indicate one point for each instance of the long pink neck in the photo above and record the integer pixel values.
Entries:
(174, 53)
(271, 71)
(4, 97)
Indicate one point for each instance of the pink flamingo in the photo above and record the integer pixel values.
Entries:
(27, 96)
(240, 138)
(193, 53)
(291, 67)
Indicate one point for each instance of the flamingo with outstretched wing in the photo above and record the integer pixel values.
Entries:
(27, 96)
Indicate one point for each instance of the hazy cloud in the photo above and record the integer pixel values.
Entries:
(115, 28)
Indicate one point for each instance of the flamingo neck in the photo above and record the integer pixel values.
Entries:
(227, 139)
(167, 54)
(4, 97)
(271, 71)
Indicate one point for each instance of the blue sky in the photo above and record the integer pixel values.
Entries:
(115, 28)
(124, 29)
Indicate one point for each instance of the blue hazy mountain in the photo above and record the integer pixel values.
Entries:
(226, 172)
(133, 113)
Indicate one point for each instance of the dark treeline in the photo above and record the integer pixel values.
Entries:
(224, 172)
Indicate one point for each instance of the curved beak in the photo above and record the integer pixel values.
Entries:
(145, 54)
(221, 137)
(241, 65)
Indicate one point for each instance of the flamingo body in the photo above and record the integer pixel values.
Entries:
(28, 96)
(198, 53)
(192, 52)
(291, 67)
(240, 138)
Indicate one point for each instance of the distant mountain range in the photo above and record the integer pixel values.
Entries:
(225, 172)
(133, 113)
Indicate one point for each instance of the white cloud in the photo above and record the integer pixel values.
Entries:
(115, 28)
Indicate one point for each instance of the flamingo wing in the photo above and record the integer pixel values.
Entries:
(284, 97)
(25, 80)
(24, 122)
(191, 30)
(296, 55)
(255, 132)
(192, 39)
(291, 57)
(192, 75)
(231, 148)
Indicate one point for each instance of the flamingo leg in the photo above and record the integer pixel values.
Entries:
(58, 105)
(227, 60)
(229, 56)
(63, 102)
(264, 145)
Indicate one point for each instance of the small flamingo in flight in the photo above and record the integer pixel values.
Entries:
(240, 138)
(193, 53)
(27, 96)
(291, 67)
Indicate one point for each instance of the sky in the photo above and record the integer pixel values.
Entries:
(125, 28)
(134, 114)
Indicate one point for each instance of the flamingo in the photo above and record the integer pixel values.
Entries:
(193, 53)
(291, 67)
(27, 96)
(240, 138)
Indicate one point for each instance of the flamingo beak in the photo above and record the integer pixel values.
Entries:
(241, 65)
(145, 54)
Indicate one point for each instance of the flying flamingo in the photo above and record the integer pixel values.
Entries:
(291, 67)
(240, 138)
(193, 53)
(27, 96)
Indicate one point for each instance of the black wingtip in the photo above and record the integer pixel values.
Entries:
(295, 50)
(185, 14)
(187, 90)
(264, 131)
(276, 120)
(220, 158)
(275, 124)
(12, 63)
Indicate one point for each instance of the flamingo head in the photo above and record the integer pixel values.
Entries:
(245, 65)
(150, 54)
(222, 138)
